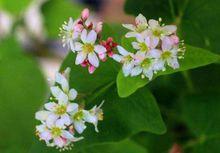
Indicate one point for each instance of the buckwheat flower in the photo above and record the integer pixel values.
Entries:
(144, 64)
(139, 27)
(77, 116)
(70, 32)
(145, 43)
(56, 135)
(126, 58)
(85, 14)
(159, 31)
(169, 55)
(94, 115)
(88, 49)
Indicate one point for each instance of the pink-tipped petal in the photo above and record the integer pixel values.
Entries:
(85, 14)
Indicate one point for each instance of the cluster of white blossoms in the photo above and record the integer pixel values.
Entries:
(83, 37)
(61, 118)
(156, 45)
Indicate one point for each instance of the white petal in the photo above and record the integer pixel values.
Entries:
(117, 57)
(100, 49)
(148, 73)
(80, 58)
(93, 59)
(72, 94)
(78, 46)
(154, 53)
(166, 44)
(67, 135)
(136, 71)
(153, 23)
(130, 34)
(72, 107)
(139, 38)
(55, 91)
(79, 126)
(135, 45)
(154, 42)
(88, 117)
(62, 81)
(126, 68)
(66, 119)
(42, 115)
(84, 36)
(169, 29)
(173, 62)
(62, 99)
(91, 37)
(60, 123)
(122, 51)
(46, 136)
(50, 106)
(50, 122)
(159, 65)
(59, 142)
(129, 26)
(140, 19)
(41, 128)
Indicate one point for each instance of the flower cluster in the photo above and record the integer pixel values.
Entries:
(83, 37)
(156, 45)
(62, 118)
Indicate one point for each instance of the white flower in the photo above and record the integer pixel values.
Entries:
(145, 43)
(88, 49)
(56, 134)
(126, 58)
(158, 31)
(145, 63)
(78, 121)
(94, 115)
(169, 55)
(70, 32)
(139, 27)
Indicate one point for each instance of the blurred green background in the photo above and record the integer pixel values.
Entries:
(31, 52)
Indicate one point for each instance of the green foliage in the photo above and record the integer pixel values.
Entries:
(22, 90)
(56, 12)
(16, 9)
(194, 57)
(201, 114)
(197, 20)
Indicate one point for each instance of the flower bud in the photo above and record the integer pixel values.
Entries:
(85, 14)
(98, 28)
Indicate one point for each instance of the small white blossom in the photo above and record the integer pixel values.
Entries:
(158, 31)
(56, 134)
(127, 58)
(169, 55)
(139, 27)
(88, 50)
(70, 32)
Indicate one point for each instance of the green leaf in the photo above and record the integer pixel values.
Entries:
(22, 90)
(201, 114)
(121, 119)
(194, 57)
(126, 146)
(10, 6)
(86, 83)
(197, 20)
(56, 12)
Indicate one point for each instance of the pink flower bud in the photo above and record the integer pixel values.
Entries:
(85, 14)
(91, 69)
(102, 56)
(78, 27)
(174, 39)
(98, 28)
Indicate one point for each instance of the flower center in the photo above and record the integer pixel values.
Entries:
(146, 63)
(60, 110)
(78, 116)
(56, 131)
(141, 27)
(143, 46)
(157, 32)
(166, 55)
(88, 48)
